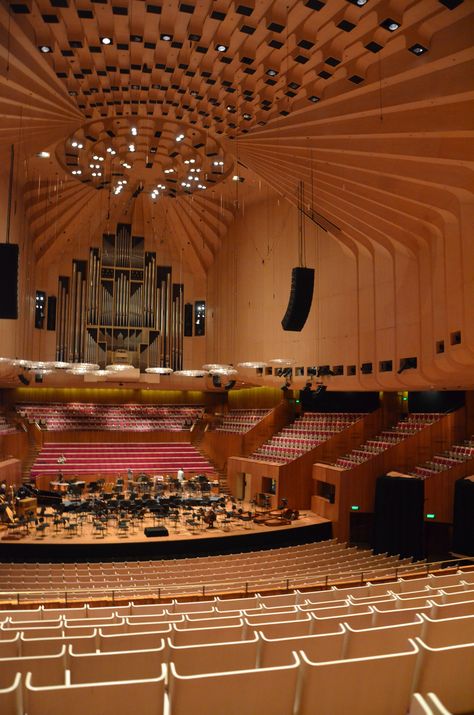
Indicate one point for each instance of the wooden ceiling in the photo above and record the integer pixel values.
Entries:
(363, 102)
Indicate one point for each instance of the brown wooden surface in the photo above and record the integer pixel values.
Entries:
(10, 471)
(357, 485)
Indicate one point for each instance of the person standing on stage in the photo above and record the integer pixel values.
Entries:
(181, 476)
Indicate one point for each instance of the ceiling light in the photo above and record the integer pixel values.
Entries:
(45, 49)
(236, 177)
(106, 40)
(43, 154)
(221, 48)
(180, 137)
(418, 49)
(313, 98)
(166, 37)
(169, 171)
(272, 72)
(80, 146)
(201, 186)
(74, 144)
(131, 147)
(247, 116)
(95, 157)
(390, 25)
(134, 131)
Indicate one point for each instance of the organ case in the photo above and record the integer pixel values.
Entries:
(120, 306)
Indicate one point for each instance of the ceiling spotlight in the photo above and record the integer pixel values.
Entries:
(134, 131)
(180, 137)
(106, 40)
(80, 146)
(131, 147)
(43, 154)
(418, 49)
(390, 25)
(221, 48)
(169, 171)
(247, 116)
(236, 177)
(166, 37)
(272, 73)
(45, 49)
(74, 144)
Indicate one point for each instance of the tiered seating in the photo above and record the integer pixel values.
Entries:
(5, 426)
(112, 457)
(386, 439)
(304, 434)
(128, 417)
(457, 454)
(365, 650)
(299, 566)
(241, 421)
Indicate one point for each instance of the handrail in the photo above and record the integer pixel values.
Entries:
(252, 585)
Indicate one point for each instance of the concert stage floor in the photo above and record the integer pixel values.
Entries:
(180, 542)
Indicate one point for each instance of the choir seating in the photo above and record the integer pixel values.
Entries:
(58, 416)
(457, 454)
(103, 458)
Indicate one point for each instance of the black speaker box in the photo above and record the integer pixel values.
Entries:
(188, 320)
(156, 531)
(301, 297)
(399, 524)
(463, 527)
(8, 281)
(51, 319)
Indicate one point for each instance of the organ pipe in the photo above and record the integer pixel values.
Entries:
(120, 298)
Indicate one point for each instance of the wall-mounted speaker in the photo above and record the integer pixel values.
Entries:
(301, 297)
(51, 317)
(9, 281)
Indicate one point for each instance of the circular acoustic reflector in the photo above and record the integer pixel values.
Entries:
(119, 367)
(253, 365)
(216, 366)
(191, 373)
(62, 365)
(285, 362)
(223, 371)
(79, 368)
(159, 370)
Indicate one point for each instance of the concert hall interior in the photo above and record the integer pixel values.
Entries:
(236, 357)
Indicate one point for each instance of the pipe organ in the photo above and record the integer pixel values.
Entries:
(119, 306)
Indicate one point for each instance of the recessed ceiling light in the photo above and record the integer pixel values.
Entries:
(313, 98)
(390, 25)
(106, 40)
(45, 49)
(166, 37)
(247, 116)
(131, 147)
(272, 73)
(43, 154)
(418, 49)
(221, 48)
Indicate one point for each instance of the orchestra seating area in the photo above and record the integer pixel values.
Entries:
(241, 421)
(454, 456)
(386, 439)
(299, 566)
(58, 417)
(304, 434)
(391, 644)
(83, 458)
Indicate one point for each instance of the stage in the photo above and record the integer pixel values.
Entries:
(231, 536)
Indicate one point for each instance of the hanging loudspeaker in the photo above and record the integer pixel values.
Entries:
(8, 281)
(301, 297)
